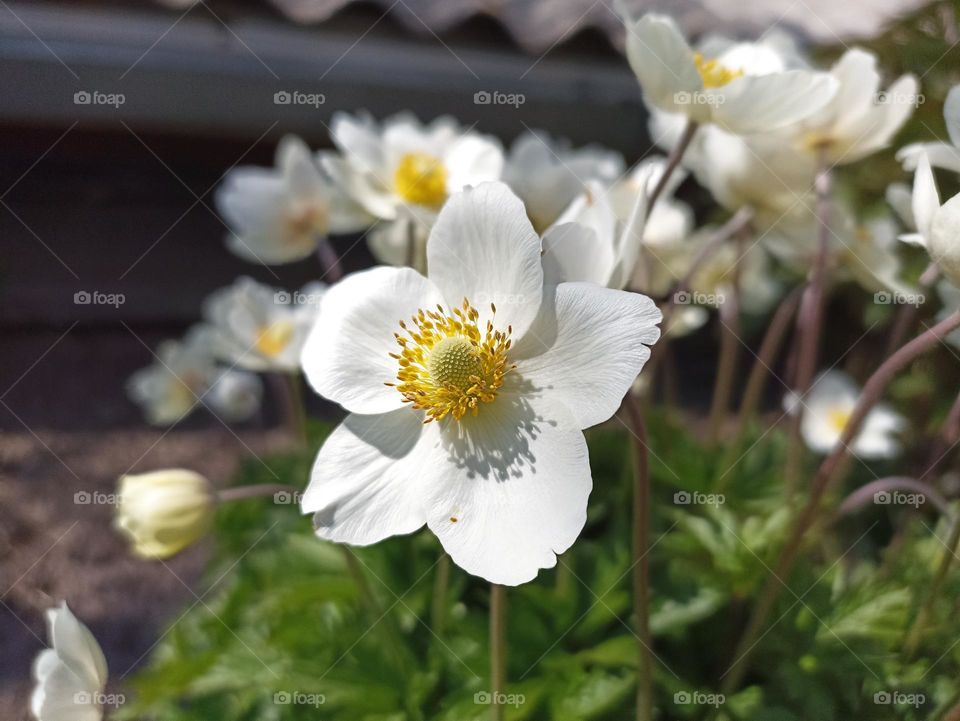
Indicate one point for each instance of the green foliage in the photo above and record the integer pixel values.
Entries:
(284, 624)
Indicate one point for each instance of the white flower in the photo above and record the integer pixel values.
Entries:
(599, 237)
(938, 226)
(258, 327)
(468, 393)
(740, 91)
(864, 252)
(165, 511)
(185, 375)
(547, 174)
(401, 172)
(279, 214)
(71, 676)
(940, 154)
(827, 410)
(861, 118)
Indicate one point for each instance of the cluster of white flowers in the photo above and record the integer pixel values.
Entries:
(514, 308)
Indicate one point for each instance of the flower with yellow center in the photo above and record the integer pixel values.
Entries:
(740, 99)
(826, 410)
(713, 73)
(280, 214)
(421, 179)
(468, 393)
(401, 171)
(185, 377)
(258, 327)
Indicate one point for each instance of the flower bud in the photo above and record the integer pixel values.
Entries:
(165, 511)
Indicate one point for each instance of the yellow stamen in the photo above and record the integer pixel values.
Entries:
(714, 74)
(421, 178)
(446, 365)
(838, 418)
(273, 338)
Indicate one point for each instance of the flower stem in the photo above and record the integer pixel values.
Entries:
(296, 410)
(729, 313)
(641, 565)
(766, 358)
(907, 315)
(438, 604)
(673, 161)
(242, 492)
(498, 649)
(810, 318)
(821, 483)
(329, 260)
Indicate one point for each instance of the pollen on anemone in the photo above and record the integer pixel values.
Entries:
(468, 393)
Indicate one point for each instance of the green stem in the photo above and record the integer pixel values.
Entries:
(915, 635)
(297, 410)
(239, 493)
(441, 587)
(498, 650)
(641, 566)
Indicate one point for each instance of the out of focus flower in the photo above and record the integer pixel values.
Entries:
(863, 252)
(71, 676)
(468, 415)
(609, 253)
(547, 174)
(940, 154)
(258, 327)
(736, 90)
(827, 409)
(278, 215)
(185, 375)
(401, 172)
(163, 512)
(938, 226)
(860, 118)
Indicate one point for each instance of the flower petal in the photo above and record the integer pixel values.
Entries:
(758, 103)
(514, 489)
(484, 248)
(663, 62)
(587, 347)
(472, 159)
(369, 478)
(346, 356)
(925, 201)
(572, 251)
